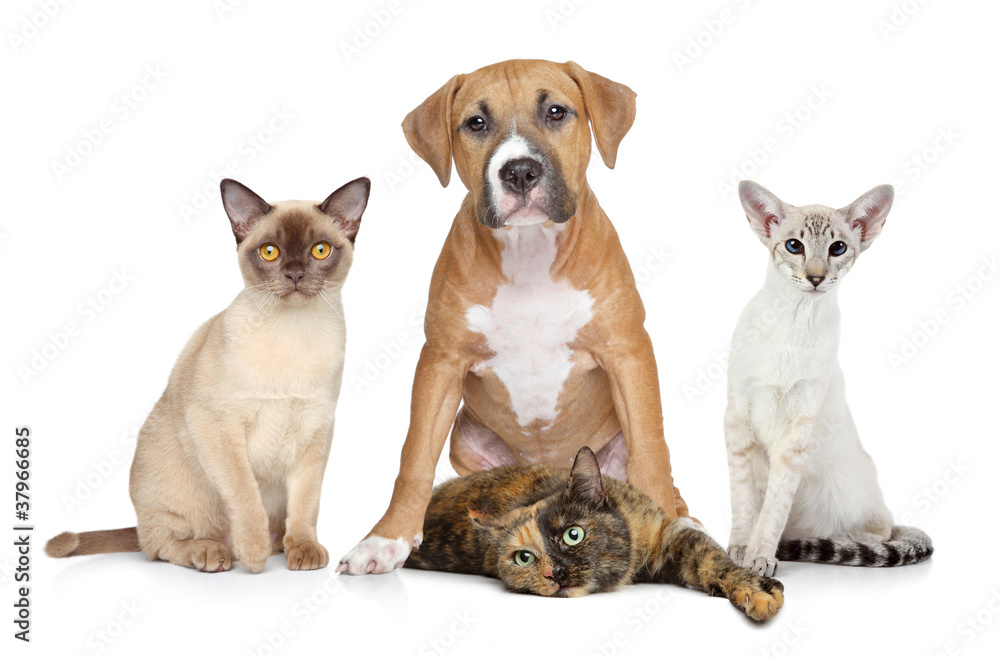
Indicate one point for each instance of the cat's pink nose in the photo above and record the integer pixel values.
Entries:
(294, 276)
(815, 280)
(555, 573)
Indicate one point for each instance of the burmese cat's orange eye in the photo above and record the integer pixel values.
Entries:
(321, 250)
(269, 252)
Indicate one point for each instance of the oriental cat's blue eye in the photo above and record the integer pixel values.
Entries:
(794, 246)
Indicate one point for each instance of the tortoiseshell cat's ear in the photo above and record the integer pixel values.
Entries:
(585, 479)
(483, 519)
(243, 207)
(347, 204)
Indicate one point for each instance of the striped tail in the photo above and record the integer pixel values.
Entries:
(906, 545)
(69, 544)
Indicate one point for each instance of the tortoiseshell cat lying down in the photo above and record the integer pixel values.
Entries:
(567, 532)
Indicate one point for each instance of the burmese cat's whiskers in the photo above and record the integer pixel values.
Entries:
(229, 464)
(564, 532)
(802, 486)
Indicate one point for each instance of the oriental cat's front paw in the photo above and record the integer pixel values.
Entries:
(762, 564)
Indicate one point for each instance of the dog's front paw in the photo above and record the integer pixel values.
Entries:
(760, 564)
(375, 555)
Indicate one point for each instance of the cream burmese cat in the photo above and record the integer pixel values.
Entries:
(803, 488)
(230, 462)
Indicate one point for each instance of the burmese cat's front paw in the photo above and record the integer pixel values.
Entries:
(252, 548)
(210, 556)
(759, 563)
(375, 555)
(308, 555)
(760, 598)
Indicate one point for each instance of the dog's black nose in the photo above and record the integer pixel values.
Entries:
(815, 280)
(521, 175)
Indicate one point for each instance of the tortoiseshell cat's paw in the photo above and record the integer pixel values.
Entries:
(760, 598)
(308, 555)
(210, 556)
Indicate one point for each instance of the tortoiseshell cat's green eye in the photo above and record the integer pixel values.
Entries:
(269, 252)
(523, 558)
(573, 535)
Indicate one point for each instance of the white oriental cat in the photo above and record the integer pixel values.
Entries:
(803, 488)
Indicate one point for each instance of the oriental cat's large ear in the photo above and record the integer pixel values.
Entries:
(867, 213)
(764, 210)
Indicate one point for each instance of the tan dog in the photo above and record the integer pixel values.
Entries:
(533, 319)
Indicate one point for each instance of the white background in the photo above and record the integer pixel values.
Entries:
(881, 96)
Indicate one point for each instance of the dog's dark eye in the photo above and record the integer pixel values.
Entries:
(556, 113)
(476, 123)
(793, 246)
(838, 248)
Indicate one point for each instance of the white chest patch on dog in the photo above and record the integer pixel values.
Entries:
(531, 323)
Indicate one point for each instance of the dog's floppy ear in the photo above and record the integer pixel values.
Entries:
(610, 106)
(428, 129)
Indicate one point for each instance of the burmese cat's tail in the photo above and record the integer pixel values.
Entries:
(69, 544)
(906, 545)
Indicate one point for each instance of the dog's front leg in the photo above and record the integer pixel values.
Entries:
(635, 389)
(437, 391)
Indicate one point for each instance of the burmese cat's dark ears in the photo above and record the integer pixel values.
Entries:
(585, 478)
(243, 207)
(347, 204)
